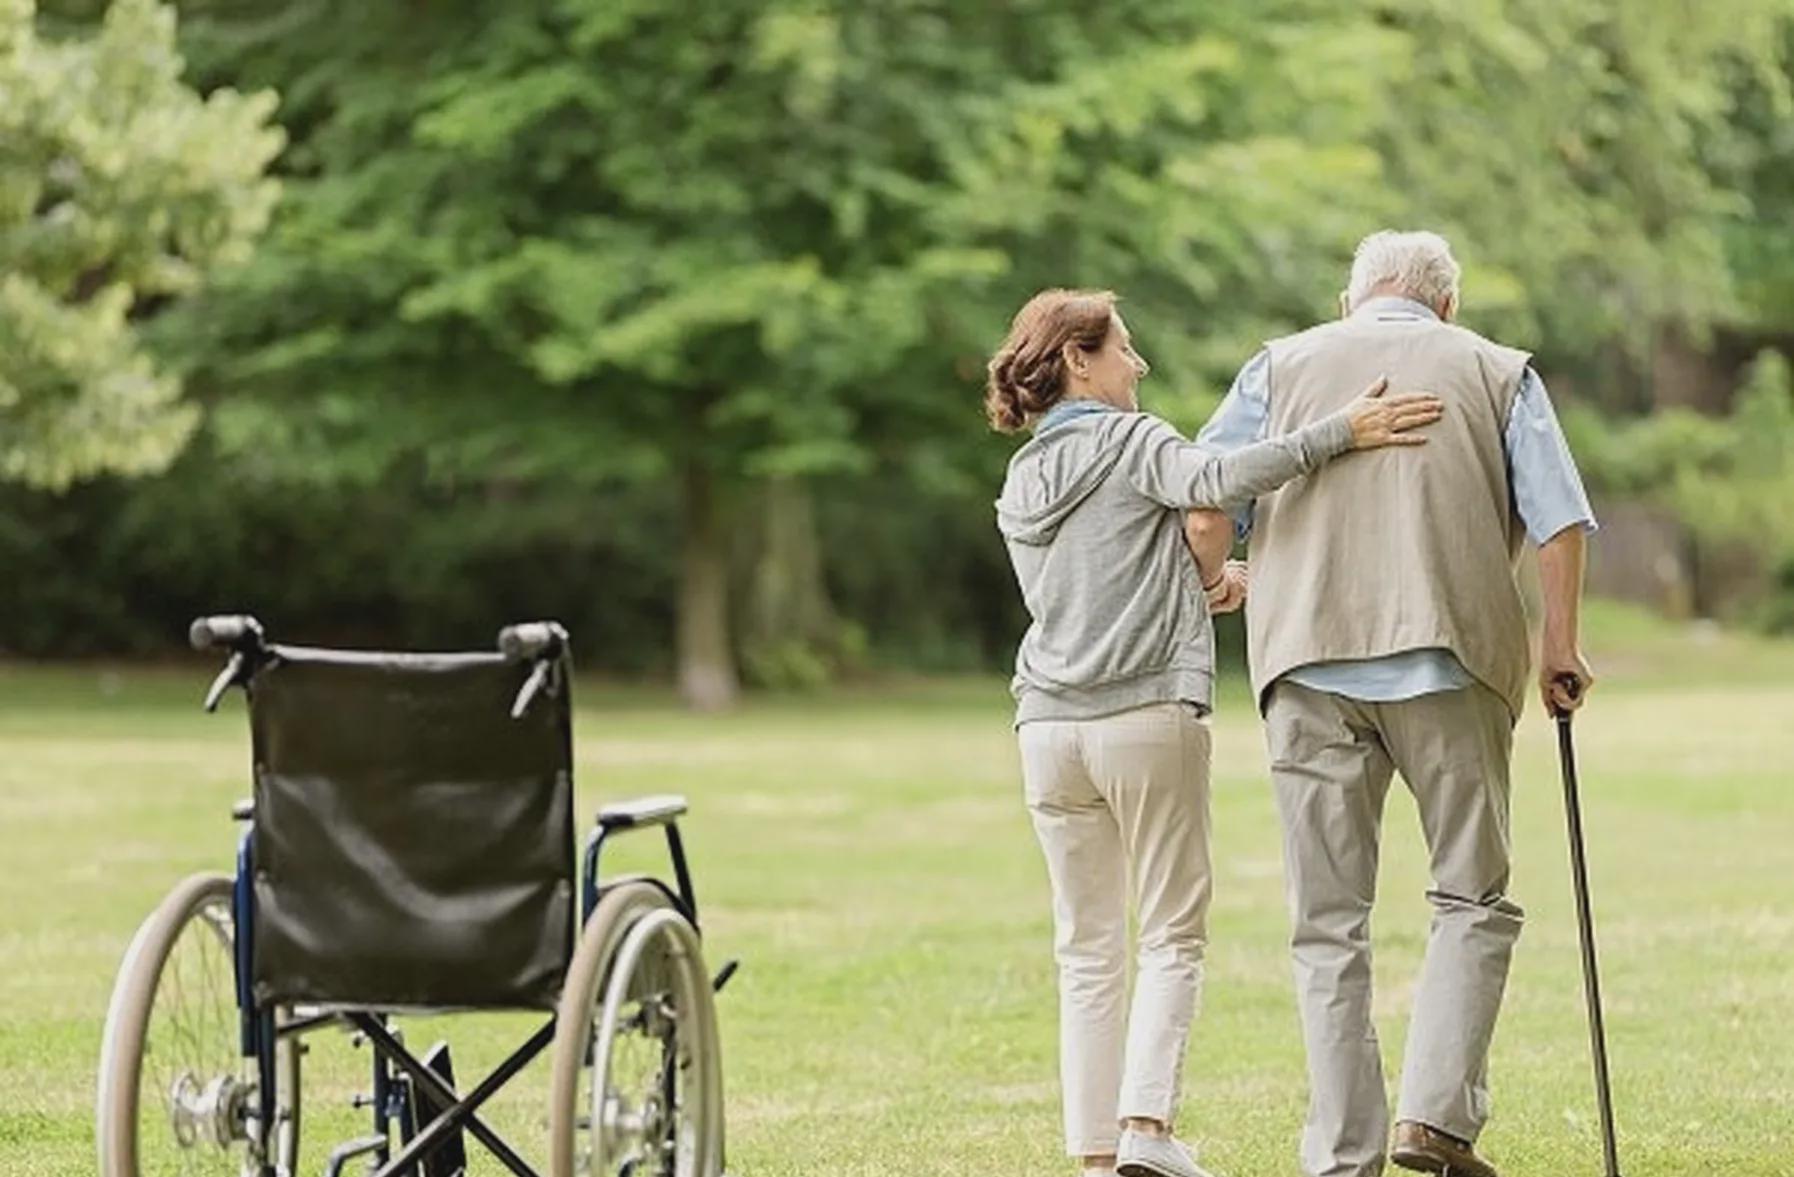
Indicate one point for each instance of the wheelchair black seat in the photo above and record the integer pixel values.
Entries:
(413, 843)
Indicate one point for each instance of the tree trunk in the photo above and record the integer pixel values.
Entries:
(707, 677)
(791, 624)
(1685, 375)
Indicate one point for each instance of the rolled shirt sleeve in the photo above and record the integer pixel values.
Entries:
(1548, 491)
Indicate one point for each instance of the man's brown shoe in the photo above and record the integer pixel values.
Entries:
(1428, 1150)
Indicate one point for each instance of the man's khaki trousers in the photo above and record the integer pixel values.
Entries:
(1117, 801)
(1331, 762)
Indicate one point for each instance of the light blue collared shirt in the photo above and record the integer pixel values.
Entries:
(1548, 495)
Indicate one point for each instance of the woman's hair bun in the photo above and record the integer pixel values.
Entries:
(1027, 375)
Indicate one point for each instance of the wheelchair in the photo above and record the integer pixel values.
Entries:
(409, 848)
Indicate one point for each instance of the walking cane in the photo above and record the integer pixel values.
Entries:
(1586, 924)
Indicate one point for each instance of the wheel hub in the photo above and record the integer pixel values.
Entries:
(636, 1131)
(215, 1113)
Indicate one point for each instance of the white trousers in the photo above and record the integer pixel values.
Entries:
(1121, 804)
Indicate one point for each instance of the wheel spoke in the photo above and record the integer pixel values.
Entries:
(647, 1081)
(638, 1132)
(193, 1082)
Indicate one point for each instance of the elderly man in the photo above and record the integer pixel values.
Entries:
(1386, 633)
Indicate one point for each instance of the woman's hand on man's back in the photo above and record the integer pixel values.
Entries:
(1379, 419)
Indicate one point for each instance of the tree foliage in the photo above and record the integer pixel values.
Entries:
(1729, 480)
(711, 263)
(1586, 156)
(120, 188)
(594, 241)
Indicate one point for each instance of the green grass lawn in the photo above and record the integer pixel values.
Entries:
(868, 858)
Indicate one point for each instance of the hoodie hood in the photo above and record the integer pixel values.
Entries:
(1056, 470)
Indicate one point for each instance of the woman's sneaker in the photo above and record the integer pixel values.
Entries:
(1141, 1155)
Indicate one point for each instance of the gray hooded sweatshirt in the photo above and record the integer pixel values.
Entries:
(1092, 513)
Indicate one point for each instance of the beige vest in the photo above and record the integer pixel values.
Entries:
(1399, 548)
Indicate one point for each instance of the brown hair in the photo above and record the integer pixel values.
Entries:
(1027, 375)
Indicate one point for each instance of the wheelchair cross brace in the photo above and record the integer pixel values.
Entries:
(459, 1112)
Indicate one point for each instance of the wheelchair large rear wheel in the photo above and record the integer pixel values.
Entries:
(176, 1096)
(637, 1071)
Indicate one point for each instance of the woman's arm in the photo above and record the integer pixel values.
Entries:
(1179, 473)
(1210, 536)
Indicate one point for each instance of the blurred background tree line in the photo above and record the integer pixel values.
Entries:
(394, 322)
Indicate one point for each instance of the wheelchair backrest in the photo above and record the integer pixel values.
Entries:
(413, 843)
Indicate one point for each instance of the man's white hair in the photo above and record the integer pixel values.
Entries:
(1416, 265)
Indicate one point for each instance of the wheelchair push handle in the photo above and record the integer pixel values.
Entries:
(238, 631)
(541, 642)
(242, 635)
(532, 639)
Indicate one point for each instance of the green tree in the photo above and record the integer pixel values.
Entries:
(1727, 480)
(120, 189)
(745, 263)
(1757, 161)
(752, 243)
(1587, 158)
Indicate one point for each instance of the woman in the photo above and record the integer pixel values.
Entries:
(1113, 686)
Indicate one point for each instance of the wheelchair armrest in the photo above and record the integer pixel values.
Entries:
(642, 811)
(661, 810)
